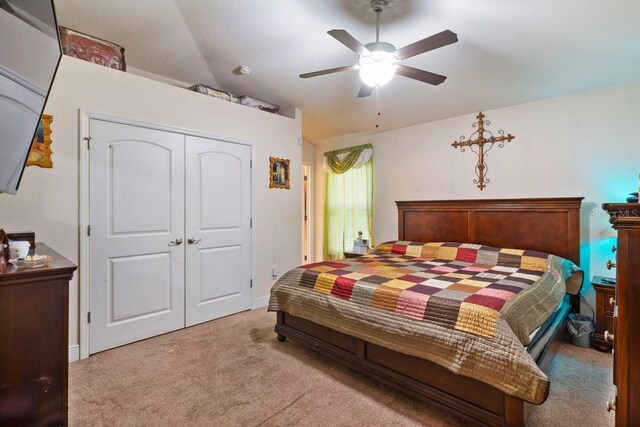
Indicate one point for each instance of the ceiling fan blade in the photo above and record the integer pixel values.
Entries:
(365, 90)
(421, 75)
(349, 41)
(328, 71)
(425, 45)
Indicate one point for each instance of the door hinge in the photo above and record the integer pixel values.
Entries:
(250, 163)
(251, 223)
(305, 258)
(305, 217)
(306, 177)
(88, 139)
(88, 230)
(89, 317)
(251, 283)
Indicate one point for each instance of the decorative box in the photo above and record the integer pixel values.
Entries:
(216, 93)
(92, 49)
(260, 105)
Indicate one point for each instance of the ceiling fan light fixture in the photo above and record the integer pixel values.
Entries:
(379, 65)
(378, 68)
(377, 74)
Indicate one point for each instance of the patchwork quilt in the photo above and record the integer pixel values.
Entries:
(470, 308)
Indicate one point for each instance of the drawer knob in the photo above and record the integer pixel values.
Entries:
(608, 337)
(610, 265)
(611, 406)
(612, 301)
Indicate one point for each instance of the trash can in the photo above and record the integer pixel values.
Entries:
(581, 328)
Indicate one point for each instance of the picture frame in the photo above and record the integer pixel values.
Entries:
(40, 154)
(279, 173)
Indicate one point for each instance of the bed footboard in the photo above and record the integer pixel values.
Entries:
(468, 398)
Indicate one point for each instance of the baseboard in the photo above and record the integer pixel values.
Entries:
(260, 302)
(74, 353)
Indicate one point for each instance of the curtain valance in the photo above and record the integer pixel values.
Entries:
(340, 161)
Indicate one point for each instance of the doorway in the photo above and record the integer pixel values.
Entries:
(307, 220)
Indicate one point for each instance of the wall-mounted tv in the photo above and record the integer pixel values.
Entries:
(29, 56)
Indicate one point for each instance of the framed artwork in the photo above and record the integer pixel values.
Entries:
(40, 154)
(279, 173)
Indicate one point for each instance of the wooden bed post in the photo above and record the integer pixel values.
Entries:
(280, 322)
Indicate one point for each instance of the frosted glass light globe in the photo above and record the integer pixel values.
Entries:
(377, 69)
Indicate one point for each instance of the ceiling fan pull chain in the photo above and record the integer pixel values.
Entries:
(377, 26)
(378, 107)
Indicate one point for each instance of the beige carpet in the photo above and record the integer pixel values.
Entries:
(233, 372)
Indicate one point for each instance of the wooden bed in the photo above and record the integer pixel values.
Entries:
(549, 225)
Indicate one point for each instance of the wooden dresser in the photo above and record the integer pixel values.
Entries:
(34, 349)
(625, 218)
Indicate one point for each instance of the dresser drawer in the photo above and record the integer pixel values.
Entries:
(609, 302)
(608, 324)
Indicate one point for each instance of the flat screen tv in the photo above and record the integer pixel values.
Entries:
(29, 56)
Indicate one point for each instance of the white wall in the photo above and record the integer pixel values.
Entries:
(584, 144)
(48, 201)
(308, 152)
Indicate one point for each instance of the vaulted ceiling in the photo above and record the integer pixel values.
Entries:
(510, 51)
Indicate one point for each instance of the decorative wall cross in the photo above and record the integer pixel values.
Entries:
(481, 142)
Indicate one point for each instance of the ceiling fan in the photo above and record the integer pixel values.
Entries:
(380, 61)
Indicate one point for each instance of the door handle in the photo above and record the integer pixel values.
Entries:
(175, 242)
(193, 241)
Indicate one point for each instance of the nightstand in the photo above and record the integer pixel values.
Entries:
(605, 302)
(352, 254)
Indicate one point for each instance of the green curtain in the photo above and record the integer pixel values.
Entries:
(348, 206)
(341, 161)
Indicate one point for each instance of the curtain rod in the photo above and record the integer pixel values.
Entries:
(348, 149)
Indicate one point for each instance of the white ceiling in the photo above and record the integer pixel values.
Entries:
(510, 51)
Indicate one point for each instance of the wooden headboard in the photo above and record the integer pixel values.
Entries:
(547, 225)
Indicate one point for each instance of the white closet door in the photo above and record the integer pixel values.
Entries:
(137, 210)
(218, 227)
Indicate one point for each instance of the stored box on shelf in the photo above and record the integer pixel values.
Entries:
(216, 93)
(92, 49)
(260, 105)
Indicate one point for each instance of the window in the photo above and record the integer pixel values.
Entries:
(348, 199)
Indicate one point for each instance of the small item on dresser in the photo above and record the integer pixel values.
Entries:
(633, 198)
(92, 49)
(216, 93)
(4, 245)
(18, 249)
(33, 261)
(360, 245)
(260, 105)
